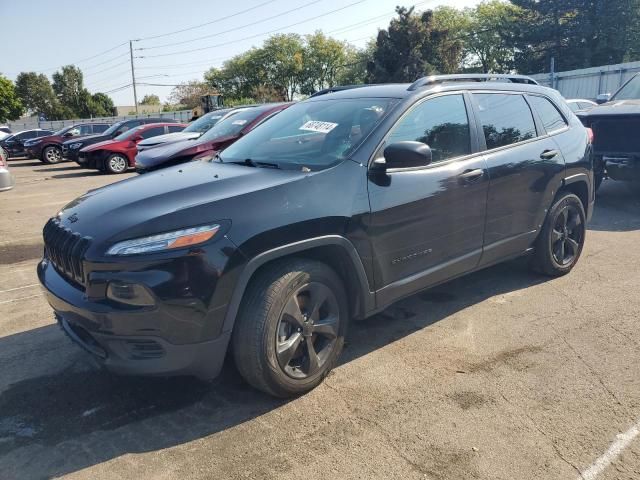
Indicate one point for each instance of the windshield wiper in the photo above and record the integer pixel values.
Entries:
(252, 163)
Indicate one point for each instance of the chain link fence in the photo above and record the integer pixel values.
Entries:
(30, 123)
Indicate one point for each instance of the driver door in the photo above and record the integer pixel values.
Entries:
(427, 224)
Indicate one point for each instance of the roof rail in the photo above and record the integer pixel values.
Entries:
(337, 88)
(471, 77)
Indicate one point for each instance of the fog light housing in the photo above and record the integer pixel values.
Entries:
(129, 293)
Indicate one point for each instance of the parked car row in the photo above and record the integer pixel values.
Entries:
(301, 217)
(14, 144)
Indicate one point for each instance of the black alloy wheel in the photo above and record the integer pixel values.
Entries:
(567, 235)
(307, 330)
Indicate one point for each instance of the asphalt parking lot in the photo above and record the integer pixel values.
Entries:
(502, 374)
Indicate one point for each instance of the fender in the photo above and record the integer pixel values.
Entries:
(366, 294)
(587, 180)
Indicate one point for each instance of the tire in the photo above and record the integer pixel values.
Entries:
(560, 243)
(116, 163)
(277, 323)
(51, 155)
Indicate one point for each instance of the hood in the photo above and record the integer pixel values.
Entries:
(87, 139)
(166, 200)
(169, 137)
(101, 145)
(614, 108)
(185, 148)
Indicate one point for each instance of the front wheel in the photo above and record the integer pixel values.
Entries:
(52, 155)
(116, 163)
(291, 327)
(561, 239)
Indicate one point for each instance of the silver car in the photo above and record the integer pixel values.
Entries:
(7, 182)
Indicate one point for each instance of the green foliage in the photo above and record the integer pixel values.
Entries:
(101, 105)
(10, 106)
(150, 100)
(37, 95)
(189, 93)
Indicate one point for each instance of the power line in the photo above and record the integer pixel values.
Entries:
(256, 35)
(231, 29)
(205, 24)
(117, 89)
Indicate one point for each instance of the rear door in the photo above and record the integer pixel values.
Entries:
(523, 163)
(427, 223)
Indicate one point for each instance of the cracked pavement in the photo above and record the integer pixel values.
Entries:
(502, 374)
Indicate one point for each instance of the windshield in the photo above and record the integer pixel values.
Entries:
(631, 91)
(315, 134)
(205, 122)
(233, 123)
(129, 133)
(112, 128)
(64, 130)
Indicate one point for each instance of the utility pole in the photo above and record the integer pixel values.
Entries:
(133, 76)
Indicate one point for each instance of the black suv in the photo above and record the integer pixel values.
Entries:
(333, 209)
(615, 126)
(71, 148)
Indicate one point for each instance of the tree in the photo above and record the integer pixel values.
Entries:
(150, 100)
(102, 105)
(410, 48)
(10, 106)
(37, 95)
(322, 59)
(188, 93)
(282, 59)
(489, 41)
(69, 88)
(354, 69)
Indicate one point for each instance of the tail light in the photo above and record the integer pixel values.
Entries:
(590, 134)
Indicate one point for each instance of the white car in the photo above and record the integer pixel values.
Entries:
(7, 181)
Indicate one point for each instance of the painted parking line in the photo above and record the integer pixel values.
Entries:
(21, 298)
(622, 441)
(19, 288)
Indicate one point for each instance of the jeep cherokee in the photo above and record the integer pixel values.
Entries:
(333, 210)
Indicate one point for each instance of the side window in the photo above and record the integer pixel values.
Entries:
(506, 119)
(549, 114)
(74, 131)
(175, 128)
(99, 128)
(27, 135)
(85, 129)
(153, 132)
(441, 122)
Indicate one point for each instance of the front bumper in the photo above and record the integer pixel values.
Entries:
(70, 154)
(7, 182)
(174, 337)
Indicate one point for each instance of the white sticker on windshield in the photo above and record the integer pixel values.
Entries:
(238, 122)
(317, 126)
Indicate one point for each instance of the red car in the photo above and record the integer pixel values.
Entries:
(235, 124)
(117, 155)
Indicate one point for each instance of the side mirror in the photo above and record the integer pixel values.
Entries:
(68, 134)
(603, 98)
(404, 155)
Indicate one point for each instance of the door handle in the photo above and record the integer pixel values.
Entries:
(549, 154)
(472, 176)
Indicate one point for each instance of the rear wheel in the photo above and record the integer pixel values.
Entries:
(291, 327)
(561, 239)
(52, 154)
(116, 163)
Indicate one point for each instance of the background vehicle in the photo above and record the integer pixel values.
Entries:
(117, 155)
(208, 103)
(580, 104)
(7, 182)
(615, 126)
(194, 130)
(71, 148)
(49, 148)
(4, 132)
(237, 123)
(14, 144)
(335, 208)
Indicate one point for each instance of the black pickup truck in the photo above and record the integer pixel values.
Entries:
(616, 128)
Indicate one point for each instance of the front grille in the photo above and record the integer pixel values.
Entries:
(65, 250)
(617, 136)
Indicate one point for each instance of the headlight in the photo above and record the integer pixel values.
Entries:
(75, 146)
(165, 241)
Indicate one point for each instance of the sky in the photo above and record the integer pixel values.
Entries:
(168, 45)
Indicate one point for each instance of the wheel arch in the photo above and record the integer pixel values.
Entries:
(47, 145)
(578, 185)
(334, 250)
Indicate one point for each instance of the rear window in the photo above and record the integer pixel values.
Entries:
(549, 114)
(506, 119)
(99, 128)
